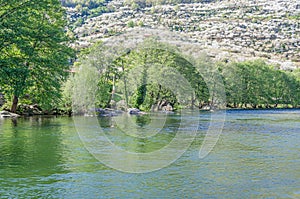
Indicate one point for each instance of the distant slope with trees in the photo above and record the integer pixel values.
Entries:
(36, 65)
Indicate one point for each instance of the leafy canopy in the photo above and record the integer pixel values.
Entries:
(34, 55)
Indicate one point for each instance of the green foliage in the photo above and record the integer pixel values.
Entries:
(257, 84)
(89, 88)
(67, 92)
(131, 24)
(148, 3)
(141, 24)
(33, 49)
(84, 88)
(133, 74)
(153, 75)
(86, 8)
(296, 74)
(154, 62)
(84, 3)
(103, 94)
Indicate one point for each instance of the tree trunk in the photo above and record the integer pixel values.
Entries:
(125, 86)
(193, 101)
(125, 91)
(14, 104)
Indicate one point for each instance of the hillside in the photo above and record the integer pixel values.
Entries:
(234, 30)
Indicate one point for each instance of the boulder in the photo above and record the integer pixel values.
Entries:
(108, 112)
(7, 114)
(167, 108)
(206, 108)
(29, 110)
(133, 111)
(100, 111)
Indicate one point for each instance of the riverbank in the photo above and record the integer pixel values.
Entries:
(33, 110)
(115, 112)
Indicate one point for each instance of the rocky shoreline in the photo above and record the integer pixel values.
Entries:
(33, 110)
(7, 114)
(132, 111)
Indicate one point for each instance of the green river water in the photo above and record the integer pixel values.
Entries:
(257, 156)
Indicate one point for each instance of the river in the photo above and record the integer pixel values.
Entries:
(256, 156)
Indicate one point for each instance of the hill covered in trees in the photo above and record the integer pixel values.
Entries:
(251, 48)
(246, 42)
(234, 30)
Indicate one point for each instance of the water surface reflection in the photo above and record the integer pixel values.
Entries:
(257, 156)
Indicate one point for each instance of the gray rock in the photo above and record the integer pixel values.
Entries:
(108, 112)
(133, 111)
(206, 108)
(6, 114)
(167, 108)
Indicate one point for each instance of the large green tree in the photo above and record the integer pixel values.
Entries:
(151, 75)
(256, 84)
(156, 69)
(34, 55)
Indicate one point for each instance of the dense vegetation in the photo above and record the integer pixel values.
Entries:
(129, 78)
(141, 78)
(34, 56)
(144, 3)
(255, 84)
(84, 3)
(84, 9)
(35, 60)
(96, 3)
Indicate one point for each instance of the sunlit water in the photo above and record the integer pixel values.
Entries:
(257, 156)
